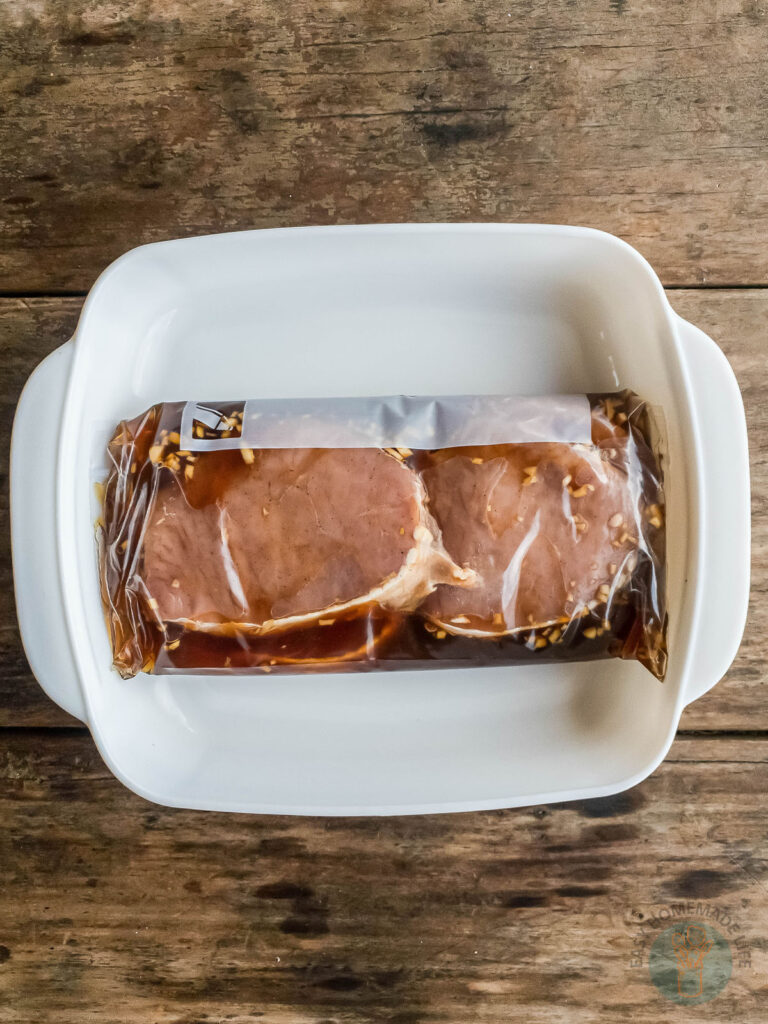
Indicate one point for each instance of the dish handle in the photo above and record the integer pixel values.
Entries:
(724, 514)
(33, 535)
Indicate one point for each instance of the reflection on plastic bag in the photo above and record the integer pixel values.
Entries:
(222, 557)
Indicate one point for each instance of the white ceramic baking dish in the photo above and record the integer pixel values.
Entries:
(419, 309)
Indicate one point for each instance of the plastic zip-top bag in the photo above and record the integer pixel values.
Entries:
(384, 533)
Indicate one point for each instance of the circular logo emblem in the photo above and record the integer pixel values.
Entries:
(690, 962)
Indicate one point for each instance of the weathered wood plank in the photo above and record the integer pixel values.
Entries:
(29, 330)
(115, 909)
(130, 121)
(713, 748)
(737, 319)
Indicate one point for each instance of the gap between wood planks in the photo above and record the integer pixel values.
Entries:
(691, 734)
(698, 287)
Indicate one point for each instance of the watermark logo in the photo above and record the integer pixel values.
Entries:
(689, 960)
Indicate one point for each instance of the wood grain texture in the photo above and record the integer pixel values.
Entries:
(29, 330)
(124, 121)
(737, 319)
(117, 910)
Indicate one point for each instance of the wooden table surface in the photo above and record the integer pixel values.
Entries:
(123, 122)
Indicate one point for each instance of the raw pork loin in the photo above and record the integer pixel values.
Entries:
(298, 535)
(552, 530)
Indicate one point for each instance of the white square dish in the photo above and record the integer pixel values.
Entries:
(417, 309)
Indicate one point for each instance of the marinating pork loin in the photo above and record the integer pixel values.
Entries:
(298, 535)
(552, 530)
(216, 556)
